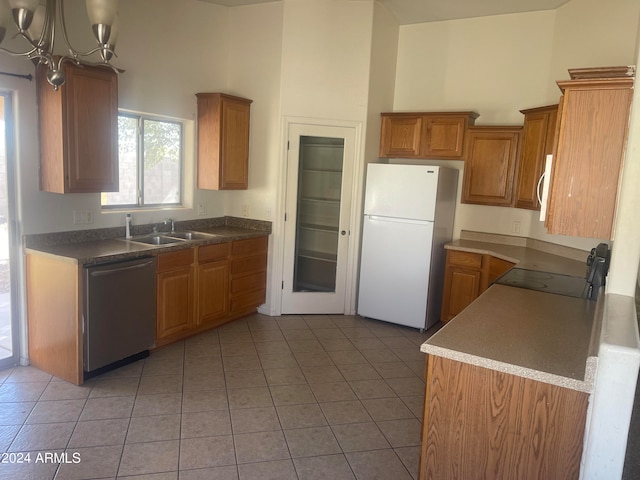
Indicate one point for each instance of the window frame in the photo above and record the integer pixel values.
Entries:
(140, 203)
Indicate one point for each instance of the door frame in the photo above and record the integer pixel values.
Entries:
(15, 251)
(278, 226)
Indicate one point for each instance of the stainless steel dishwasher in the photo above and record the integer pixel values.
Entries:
(119, 314)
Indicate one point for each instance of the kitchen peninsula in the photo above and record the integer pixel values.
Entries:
(509, 378)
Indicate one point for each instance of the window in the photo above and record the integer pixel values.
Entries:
(150, 153)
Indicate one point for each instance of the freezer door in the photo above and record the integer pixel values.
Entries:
(394, 270)
(401, 191)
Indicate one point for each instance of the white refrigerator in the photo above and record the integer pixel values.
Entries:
(408, 218)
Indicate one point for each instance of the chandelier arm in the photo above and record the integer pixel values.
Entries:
(47, 39)
(99, 49)
(33, 50)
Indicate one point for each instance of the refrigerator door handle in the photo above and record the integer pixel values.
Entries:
(379, 218)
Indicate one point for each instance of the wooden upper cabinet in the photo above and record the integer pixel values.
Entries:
(400, 135)
(424, 134)
(537, 142)
(78, 127)
(223, 141)
(491, 154)
(591, 141)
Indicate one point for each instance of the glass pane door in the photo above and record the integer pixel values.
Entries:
(318, 214)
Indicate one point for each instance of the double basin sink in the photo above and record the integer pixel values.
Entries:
(171, 238)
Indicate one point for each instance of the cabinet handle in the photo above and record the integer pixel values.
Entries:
(539, 195)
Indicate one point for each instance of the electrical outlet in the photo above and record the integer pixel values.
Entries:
(202, 209)
(268, 214)
(515, 227)
(82, 217)
(245, 210)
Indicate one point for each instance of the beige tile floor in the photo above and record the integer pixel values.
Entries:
(292, 397)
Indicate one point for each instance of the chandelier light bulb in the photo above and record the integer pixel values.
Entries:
(23, 11)
(5, 14)
(37, 23)
(102, 12)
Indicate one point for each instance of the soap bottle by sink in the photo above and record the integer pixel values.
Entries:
(127, 226)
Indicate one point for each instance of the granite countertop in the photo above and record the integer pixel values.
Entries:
(546, 337)
(107, 245)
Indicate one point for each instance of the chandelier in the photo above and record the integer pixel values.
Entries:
(36, 24)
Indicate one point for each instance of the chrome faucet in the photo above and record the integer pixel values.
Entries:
(172, 222)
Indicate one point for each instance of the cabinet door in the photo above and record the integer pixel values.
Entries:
(176, 294)
(461, 287)
(489, 169)
(234, 156)
(400, 135)
(587, 165)
(213, 299)
(444, 137)
(537, 143)
(223, 141)
(79, 131)
(175, 301)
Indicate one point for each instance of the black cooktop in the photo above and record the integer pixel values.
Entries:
(556, 283)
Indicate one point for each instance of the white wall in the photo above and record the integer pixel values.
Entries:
(382, 75)
(592, 33)
(255, 59)
(325, 58)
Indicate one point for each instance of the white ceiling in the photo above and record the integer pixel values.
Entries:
(421, 11)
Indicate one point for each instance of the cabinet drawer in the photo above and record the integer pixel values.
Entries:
(464, 259)
(248, 283)
(214, 252)
(250, 264)
(250, 246)
(248, 301)
(173, 260)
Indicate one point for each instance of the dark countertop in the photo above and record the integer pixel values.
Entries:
(100, 246)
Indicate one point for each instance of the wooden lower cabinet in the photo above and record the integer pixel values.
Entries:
(213, 283)
(479, 423)
(248, 275)
(175, 292)
(466, 276)
(207, 286)
(54, 313)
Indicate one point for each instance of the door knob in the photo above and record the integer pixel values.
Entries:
(343, 232)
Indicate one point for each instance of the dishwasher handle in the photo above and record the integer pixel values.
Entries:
(116, 269)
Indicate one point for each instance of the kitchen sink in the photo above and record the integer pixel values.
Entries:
(188, 235)
(157, 240)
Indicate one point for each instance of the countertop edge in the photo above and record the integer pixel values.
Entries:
(585, 385)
